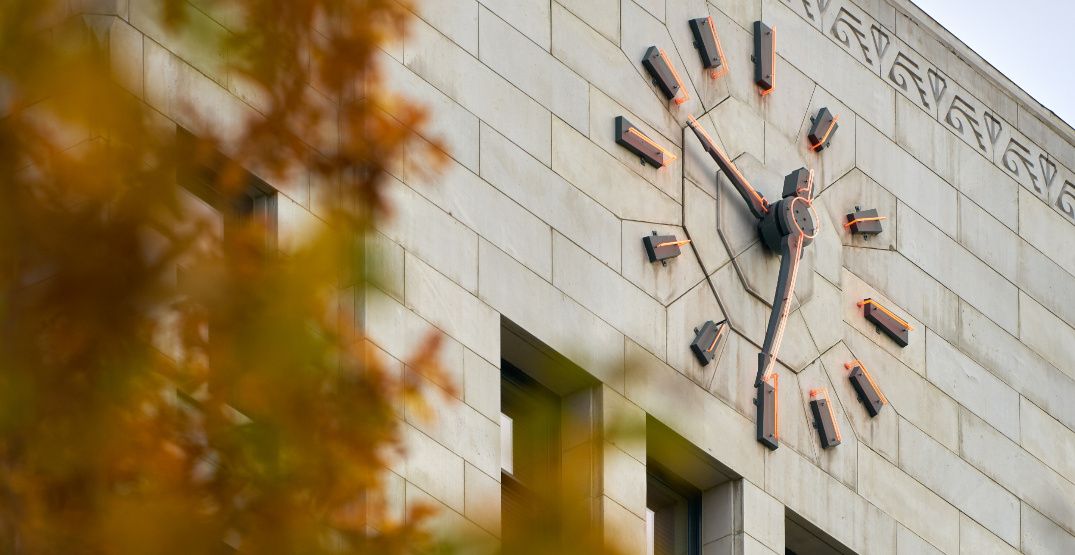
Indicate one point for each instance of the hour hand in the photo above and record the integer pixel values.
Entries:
(755, 201)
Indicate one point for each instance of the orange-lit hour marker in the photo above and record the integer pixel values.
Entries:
(869, 378)
(901, 321)
(775, 378)
(772, 82)
(717, 73)
(675, 74)
(873, 219)
(825, 137)
(674, 243)
(720, 331)
(668, 156)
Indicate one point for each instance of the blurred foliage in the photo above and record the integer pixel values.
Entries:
(173, 382)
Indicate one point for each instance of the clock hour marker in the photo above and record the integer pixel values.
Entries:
(660, 248)
(629, 137)
(825, 418)
(886, 322)
(868, 392)
(705, 341)
(864, 222)
(824, 125)
(764, 57)
(664, 74)
(708, 44)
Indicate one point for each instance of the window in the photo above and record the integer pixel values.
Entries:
(530, 451)
(673, 514)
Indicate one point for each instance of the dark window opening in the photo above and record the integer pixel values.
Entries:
(673, 514)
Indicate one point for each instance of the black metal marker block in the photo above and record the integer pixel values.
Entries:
(886, 323)
(826, 426)
(864, 222)
(767, 413)
(629, 137)
(660, 248)
(705, 341)
(705, 40)
(867, 391)
(662, 74)
(763, 57)
(822, 130)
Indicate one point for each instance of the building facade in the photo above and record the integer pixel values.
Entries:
(571, 351)
(528, 253)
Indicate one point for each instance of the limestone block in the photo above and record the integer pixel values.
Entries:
(1044, 135)
(832, 163)
(857, 189)
(1042, 536)
(666, 283)
(1022, 159)
(609, 182)
(624, 479)
(904, 176)
(949, 476)
(295, 226)
(918, 294)
(481, 385)
(1017, 470)
(825, 62)
(700, 223)
(1047, 230)
(826, 503)
(428, 232)
(449, 356)
(531, 17)
(911, 396)
(187, 96)
(604, 292)
(606, 67)
(624, 531)
(455, 425)
(602, 15)
(826, 253)
(489, 212)
(1042, 331)
(435, 469)
(742, 12)
(818, 313)
(1046, 282)
(911, 503)
(1047, 439)
(384, 264)
(603, 114)
(796, 423)
(972, 386)
(840, 461)
(457, 20)
(478, 89)
(453, 309)
(1017, 364)
(732, 380)
(122, 42)
(201, 42)
(550, 197)
(975, 538)
(738, 128)
(387, 506)
(527, 300)
(969, 77)
(914, 76)
(854, 290)
(880, 433)
(907, 543)
(965, 115)
(786, 109)
(449, 122)
(640, 31)
(762, 517)
(693, 413)
(988, 238)
(481, 499)
(532, 69)
(624, 424)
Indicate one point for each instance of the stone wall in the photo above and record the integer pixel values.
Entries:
(538, 220)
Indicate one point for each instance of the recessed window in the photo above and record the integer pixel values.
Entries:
(673, 515)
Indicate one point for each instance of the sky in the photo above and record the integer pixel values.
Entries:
(1030, 41)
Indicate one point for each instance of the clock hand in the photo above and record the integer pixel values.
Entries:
(757, 203)
(790, 254)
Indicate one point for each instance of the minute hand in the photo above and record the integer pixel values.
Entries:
(755, 201)
(791, 249)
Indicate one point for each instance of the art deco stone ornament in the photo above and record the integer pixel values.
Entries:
(786, 227)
